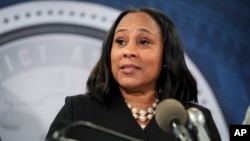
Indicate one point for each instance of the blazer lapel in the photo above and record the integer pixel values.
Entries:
(118, 117)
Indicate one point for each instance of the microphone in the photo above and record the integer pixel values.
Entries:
(60, 135)
(171, 116)
(197, 123)
(247, 116)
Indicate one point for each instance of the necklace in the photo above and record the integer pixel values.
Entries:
(143, 115)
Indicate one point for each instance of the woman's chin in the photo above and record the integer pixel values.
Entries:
(128, 85)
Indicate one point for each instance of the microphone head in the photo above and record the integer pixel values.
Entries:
(170, 110)
(196, 116)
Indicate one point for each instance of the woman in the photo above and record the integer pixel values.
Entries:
(142, 63)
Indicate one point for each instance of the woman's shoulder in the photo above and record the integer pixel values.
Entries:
(81, 106)
(79, 97)
(196, 105)
(82, 99)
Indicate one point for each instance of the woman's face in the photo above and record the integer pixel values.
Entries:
(136, 54)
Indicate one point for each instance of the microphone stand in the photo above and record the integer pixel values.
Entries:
(60, 135)
(181, 132)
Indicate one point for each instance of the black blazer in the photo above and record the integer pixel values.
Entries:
(116, 116)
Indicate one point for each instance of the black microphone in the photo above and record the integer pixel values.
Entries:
(60, 135)
(171, 116)
(197, 122)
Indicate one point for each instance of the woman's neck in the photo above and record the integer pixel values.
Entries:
(140, 100)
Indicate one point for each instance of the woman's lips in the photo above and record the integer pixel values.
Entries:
(129, 68)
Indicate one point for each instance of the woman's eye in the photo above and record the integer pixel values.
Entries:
(144, 42)
(120, 41)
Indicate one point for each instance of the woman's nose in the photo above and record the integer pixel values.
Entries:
(130, 50)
